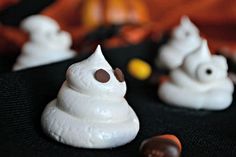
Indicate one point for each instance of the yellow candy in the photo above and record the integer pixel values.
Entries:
(139, 69)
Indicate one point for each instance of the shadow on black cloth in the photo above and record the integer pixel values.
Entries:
(6, 63)
(24, 94)
(13, 15)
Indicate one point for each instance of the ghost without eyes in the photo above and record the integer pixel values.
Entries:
(185, 38)
(47, 43)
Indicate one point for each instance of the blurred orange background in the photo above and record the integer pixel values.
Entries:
(216, 20)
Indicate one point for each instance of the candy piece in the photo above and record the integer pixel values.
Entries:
(88, 113)
(161, 146)
(201, 82)
(185, 39)
(173, 138)
(47, 43)
(139, 69)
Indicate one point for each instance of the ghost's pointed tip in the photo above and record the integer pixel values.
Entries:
(98, 58)
(188, 24)
(98, 50)
(98, 47)
(97, 53)
(204, 50)
(205, 46)
(204, 43)
(185, 19)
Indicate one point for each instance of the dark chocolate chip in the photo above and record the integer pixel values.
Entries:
(119, 75)
(160, 147)
(102, 76)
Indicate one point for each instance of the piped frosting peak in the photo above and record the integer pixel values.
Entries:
(90, 110)
(185, 39)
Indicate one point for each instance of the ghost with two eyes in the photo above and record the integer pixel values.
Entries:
(90, 110)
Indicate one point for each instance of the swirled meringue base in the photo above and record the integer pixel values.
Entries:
(72, 131)
(212, 99)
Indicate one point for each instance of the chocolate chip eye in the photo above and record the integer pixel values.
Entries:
(119, 75)
(102, 76)
(208, 71)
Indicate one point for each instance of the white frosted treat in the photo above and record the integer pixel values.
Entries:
(39, 23)
(200, 83)
(185, 39)
(47, 43)
(89, 113)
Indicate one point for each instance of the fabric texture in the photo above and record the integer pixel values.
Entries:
(24, 94)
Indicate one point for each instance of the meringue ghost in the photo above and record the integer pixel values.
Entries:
(90, 110)
(200, 83)
(185, 39)
(47, 43)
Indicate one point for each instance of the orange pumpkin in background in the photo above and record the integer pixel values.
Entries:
(113, 12)
(80, 17)
(94, 13)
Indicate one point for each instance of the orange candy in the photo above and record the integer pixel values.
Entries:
(160, 146)
(172, 138)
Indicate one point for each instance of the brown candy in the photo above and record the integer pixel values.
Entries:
(119, 75)
(102, 76)
(161, 146)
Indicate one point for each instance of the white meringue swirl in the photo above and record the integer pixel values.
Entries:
(88, 113)
(200, 83)
(47, 43)
(184, 40)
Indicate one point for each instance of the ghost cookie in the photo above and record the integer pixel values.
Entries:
(185, 39)
(200, 83)
(47, 44)
(90, 110)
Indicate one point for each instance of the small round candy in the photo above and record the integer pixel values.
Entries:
(161, 146)
(139, 69)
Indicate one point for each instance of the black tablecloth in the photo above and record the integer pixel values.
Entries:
(24, 94)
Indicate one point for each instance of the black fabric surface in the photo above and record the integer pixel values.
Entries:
(14, 15)
(6, 63)
(24, 94)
